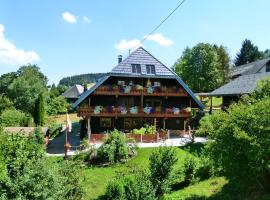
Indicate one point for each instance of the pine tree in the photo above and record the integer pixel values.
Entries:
(248, 53)
(39, 111)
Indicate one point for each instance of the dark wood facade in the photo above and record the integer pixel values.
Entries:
(139, 90)
(128, 103)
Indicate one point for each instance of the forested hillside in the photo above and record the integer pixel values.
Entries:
(81, 79)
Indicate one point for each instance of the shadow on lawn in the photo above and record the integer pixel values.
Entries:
(236, 190)
(195, 148)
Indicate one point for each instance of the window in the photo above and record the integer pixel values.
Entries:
(267, 69)
(150, 69)
(136, 69)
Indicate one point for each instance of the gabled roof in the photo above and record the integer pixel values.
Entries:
(142, 57)
(250, 68)
(242, 85)
(73, 92)
(124, 69)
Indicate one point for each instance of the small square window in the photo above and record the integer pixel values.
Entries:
(150, 69)
(136, 69)
(267, 69)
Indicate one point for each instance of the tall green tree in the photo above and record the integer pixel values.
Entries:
(26, 87)
(203, 67)
(224, 64)
(248, 53)
(39, 111)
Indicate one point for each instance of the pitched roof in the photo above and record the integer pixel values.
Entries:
(242, 85)
(73, 92)
(142, 57)
(250, 68)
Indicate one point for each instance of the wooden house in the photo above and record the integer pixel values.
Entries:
(139, 90)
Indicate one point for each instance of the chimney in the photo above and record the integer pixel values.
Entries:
(119, 58)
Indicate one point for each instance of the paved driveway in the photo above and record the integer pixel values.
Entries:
(56, 145)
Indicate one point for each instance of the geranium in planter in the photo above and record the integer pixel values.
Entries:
(123, 110)
(150, 90)
(134, 110)
(139, 87)
(175, 110)
(98, 109)
(147, 109)
(127, 89)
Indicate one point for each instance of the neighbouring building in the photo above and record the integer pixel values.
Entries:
(139, 90)
(244, 81)
(73, 93)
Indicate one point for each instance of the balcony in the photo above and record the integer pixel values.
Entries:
(111, 111)
(138, 90)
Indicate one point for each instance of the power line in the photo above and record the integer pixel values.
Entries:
(162, 22)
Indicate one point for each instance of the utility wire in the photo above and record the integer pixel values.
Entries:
(162, 22)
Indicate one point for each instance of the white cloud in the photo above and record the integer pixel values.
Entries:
(159, 38)
(11, 55)
(124, 44)
(70, 18)
(86, 19)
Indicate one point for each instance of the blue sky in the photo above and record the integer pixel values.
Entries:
(68, 37)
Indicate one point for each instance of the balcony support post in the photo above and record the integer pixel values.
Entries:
(89, 128)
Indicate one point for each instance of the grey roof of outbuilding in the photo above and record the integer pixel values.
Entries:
(242, 85)
(73, 92)
(142, 57)
(250, 68)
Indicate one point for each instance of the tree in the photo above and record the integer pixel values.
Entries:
(203, 67)
(26, 87)
(39, 113)
(5, 103)
(224, 67)
(240, 137)
(248, 53)
(26, 173)
(57, 105)
(5, 82)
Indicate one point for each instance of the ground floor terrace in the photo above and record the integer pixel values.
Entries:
(162, 128)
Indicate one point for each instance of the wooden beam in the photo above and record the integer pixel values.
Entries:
(211, 104)
(89, 101)
(89, 128)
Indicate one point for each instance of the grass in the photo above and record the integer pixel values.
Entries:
(201, 190)
(216, 101)
(98, 177)
(61, 119)
(215, 188)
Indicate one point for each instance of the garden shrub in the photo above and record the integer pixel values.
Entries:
(115, 148)
(189, 169)
(147, 129)
(241, 139)
(137, 186)
(27, 174)
(13, 117)
(85, 155)
(161, 166)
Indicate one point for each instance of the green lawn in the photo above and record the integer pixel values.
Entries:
(96, 179)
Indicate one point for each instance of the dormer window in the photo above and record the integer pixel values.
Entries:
(150, 69)
(136, 68)
(267, 68)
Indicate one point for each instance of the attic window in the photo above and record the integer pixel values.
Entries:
(267, 69)
(136, 69)
(150, 69)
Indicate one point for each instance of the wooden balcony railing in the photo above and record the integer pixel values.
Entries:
(111, 111)
(136, 91)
